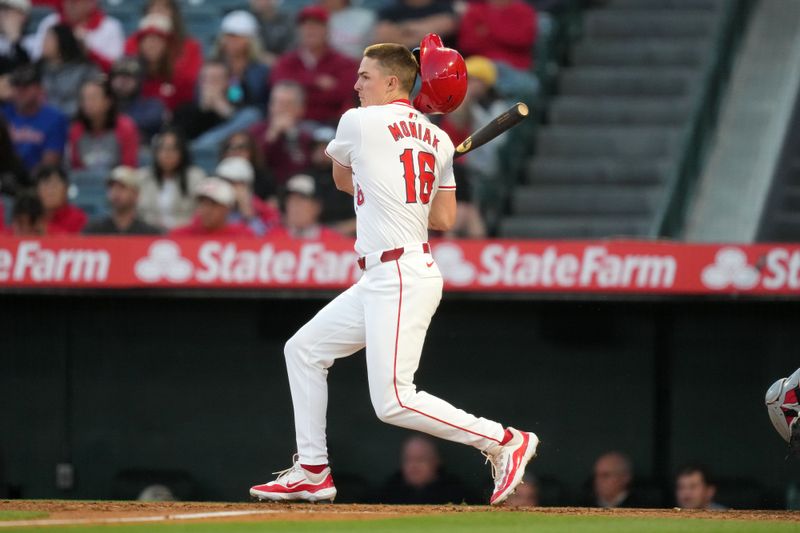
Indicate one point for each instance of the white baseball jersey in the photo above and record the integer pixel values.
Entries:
(399, 160)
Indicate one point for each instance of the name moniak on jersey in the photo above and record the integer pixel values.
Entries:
(402, 129)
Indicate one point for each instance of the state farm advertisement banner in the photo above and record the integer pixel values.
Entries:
(633, 267)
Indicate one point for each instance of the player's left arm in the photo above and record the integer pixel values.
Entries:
(443, 211)
(343, 178)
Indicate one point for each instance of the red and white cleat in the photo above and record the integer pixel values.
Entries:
(296, 483)
(508, 463)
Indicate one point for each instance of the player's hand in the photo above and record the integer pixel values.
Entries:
(278, 125)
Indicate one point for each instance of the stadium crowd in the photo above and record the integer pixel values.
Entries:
(185, 128)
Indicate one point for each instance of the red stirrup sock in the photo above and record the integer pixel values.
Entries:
(507, 436)
(314, 469)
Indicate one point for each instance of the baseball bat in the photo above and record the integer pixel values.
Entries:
(502, 123)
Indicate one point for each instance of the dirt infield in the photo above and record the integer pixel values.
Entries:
(89, 512)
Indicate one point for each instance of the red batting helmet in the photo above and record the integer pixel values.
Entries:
(443, 75)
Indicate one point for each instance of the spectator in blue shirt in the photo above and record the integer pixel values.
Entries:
(39, 131)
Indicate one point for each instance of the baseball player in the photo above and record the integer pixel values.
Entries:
(398, 167)
(783, 406)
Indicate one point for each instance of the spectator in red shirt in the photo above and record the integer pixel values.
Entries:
(215, 200)
(326, 75)
(502, 30)
(186, 52)
(61, 217)
(102, 35)
(100, 138)
(27, 218)
(162, 77)
(283, 138)
(302, 209)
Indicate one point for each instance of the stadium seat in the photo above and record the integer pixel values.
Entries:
(548, 170)
(585, 199)
(560, 226)
(8, 206)
(36, 15)
(205, 158)
(632, 82)
(584, 110)
(90, 198)
(128, 14)
(202, 20)
(569, 141)
(645, 52)
(639, 23)
(88, 178)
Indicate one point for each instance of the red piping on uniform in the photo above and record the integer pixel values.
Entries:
(337, 161)
(394, 372)
(402, 101)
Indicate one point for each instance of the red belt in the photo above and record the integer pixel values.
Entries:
(392, 255)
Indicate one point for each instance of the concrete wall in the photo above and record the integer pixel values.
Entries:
(199, 385)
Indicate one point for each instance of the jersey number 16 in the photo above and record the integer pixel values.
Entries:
(426, 162)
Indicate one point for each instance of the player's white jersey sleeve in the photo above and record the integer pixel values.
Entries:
(448, 179)
(347, 143)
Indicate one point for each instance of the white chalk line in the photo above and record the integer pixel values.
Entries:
(135, 519)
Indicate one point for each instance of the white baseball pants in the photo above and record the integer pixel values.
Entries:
(388, 310)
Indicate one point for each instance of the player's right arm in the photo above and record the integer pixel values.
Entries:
(344, 148)
(443, 211)
(443, 206)
(343, 178)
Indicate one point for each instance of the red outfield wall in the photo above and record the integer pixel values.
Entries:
(602, 267)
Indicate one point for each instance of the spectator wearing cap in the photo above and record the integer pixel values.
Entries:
(168, 187)
(276, 29)
(27, 216)
(123, 197)
(217, 112)
(100, 137)
(350, 27)
(101, 35)
(302, 208)
(240, 49)
(186, 53)
(38, 130)
(215, 201)
(337, 208)
(242, 144)
(161, 77)
(502, 30)
(408, 21)
(13, 41)
(149, 113)
(65, 68)
(695, 489)
(284, 138)
(249, 209)
(325, 74)
(481, 104)
(61, 217)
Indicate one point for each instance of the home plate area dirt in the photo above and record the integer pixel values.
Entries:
(87, 512)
